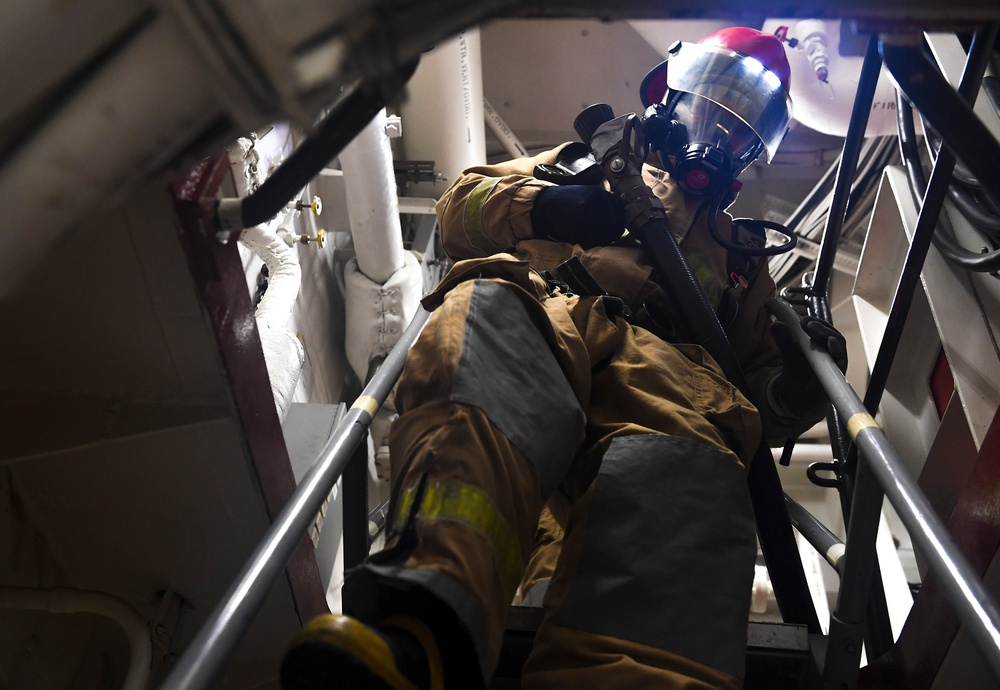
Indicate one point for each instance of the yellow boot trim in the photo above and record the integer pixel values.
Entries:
(426, 639)
(361, 642)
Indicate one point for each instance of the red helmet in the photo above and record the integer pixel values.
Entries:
(740, 69)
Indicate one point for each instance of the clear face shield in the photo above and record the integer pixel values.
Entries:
(726, 109)
(738, 83)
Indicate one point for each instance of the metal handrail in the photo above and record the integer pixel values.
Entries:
(878, 629)
(860, 583)
(215, 642)
(961, 584)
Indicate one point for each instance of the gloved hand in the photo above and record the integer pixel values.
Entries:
(579, 214)
(796, 390)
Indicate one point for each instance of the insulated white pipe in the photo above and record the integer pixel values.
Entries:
(372, 206)
(284, 354)
(443, 115)
(284, 274)
(61, 600)
(127, 121)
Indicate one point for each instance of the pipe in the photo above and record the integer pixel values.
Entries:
(344, 121)
(807, 452)
(961, 584)
(372, 204)
(444, 115)
(511, 144)
(284, 274)
(376, 313)
(383, 282)
(816, 533)
(377, 519)
(284, 354)
(64, 600)
(949, 248)
(208, 652)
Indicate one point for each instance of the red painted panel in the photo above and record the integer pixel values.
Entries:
(942, 384)
(218, 274)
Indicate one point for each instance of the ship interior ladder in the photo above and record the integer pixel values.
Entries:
(791, 652)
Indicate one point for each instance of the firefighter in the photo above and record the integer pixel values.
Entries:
(554, 370)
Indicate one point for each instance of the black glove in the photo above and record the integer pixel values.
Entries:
(797, 391)
(578, 214)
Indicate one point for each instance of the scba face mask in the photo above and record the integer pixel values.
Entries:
(706, 146)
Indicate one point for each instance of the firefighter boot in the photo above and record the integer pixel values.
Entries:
(336, 651)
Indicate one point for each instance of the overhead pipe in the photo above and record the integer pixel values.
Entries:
(444, 114)
(284, 354)
(950, 114)
(65, 600)
(372, 205)
(511, 144)
(337, 129)
(383, 282)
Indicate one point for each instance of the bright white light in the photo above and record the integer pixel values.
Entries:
(753, 65)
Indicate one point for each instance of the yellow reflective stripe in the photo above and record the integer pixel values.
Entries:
(859, 421)
(472, 221)
(469, 506)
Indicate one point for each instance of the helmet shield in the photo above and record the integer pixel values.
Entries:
(738, 83)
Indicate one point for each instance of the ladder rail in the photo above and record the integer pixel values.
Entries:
(961, 584)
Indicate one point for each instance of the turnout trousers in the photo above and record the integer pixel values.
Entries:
(514, 395)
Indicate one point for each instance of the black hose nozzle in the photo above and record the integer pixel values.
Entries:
(592, 117)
